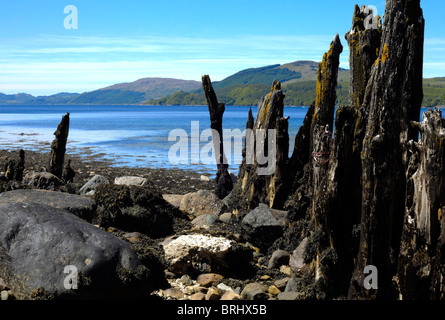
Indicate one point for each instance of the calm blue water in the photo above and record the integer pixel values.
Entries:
(130, 135)
(135, 136)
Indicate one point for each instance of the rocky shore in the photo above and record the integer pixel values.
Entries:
(198, 247)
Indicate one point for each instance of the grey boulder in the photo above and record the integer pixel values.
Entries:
(44, 249)
(92, 184)
(43, 180)
(81, 206)
(263, 226)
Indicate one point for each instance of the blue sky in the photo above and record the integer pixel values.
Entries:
(122, 41)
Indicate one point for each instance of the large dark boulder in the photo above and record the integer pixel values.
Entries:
(81, 206)
(134, 208)
(37, 243)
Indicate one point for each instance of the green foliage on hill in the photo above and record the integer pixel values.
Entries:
(297, 94)
(109, 97)
(434, 92)
(27, 99)
(246, 87)
(264, 75)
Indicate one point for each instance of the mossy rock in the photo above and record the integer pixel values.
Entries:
(134, 208)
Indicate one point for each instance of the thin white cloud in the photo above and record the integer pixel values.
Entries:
(87, 63)
(50, 63)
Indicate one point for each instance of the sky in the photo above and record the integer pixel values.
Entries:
(122, 41)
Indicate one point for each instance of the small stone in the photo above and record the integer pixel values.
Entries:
(225, 217)
(205, 221)
(198, 296)
(281, 283)
(195, 289)
(202, 202)
(130, 181)
(293, 285)
(4, 295)
(255, 291)
(289, 296)
(285, 270)
(213, 294)
(223, 287)
(265, 277)
(169, 275)
(231, 295)
(185, 279)
(297, 258)
(133, 237)
(3, 285)
(208, 279)
(174, 293)
(279, 258)
(204, 178)
(273, 290)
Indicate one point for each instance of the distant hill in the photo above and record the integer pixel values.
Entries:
(434, 92)
(263, 75)
(122, 93)
(137, 91)
(298, 81)
(245, 87)
(26, 99)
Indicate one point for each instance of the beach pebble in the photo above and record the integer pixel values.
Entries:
(202, 202)
(205, 178)
(289, 296)
(198, 296)
(174, 293)
(255, 291)
(186, 280)
(205, 221)
(281, 283)
(208, 279)
(213, 294)
(231, 295)
(130, 181)
(169, 275)
(223, 287)
(279, 258)
(273, 290)
(225, 217)
(297, 258)
(3, 285)
(4, 295)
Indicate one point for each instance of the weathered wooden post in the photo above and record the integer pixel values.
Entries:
(58, 147)
(216, 110)
(393, 97)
